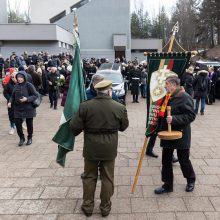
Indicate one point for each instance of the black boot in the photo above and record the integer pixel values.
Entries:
(29, 141)
(21, 142)
(151, 154)
(51, 105)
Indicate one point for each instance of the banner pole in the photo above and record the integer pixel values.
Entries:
(175, 30)
(140, 163)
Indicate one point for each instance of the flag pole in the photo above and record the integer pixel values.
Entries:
(140, 163)
(175, 30)
(146, 140)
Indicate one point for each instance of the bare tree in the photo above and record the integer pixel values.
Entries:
(14, 14)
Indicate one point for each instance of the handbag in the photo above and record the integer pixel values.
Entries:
(36, 103)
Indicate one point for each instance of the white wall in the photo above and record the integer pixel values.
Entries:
(99, 21)
(43, 10)
(145, 44)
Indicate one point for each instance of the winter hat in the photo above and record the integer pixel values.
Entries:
(21, 68)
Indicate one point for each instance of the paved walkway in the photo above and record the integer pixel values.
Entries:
(34, 187)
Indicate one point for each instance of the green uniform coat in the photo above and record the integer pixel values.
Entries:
(100, 118)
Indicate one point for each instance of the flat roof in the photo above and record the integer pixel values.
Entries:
(39, 32)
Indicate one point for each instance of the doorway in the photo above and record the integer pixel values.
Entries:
(120, 54)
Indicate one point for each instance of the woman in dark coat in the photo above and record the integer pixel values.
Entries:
(201, 88)
(35, 77)
(66, 86)
(22, 97)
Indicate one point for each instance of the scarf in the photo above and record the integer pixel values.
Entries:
(164, 105)
(165, 102)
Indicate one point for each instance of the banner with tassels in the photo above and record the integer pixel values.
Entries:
(160, 66)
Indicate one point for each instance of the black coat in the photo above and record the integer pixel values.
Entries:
(25, 109)
(183, 114)
(135, 81)
(53, 77)
(8, 90)
(189, 83)
(200, 78)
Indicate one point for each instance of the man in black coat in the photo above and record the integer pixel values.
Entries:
(182, 114)
(135, 84)
(52, 79)
(201, 87)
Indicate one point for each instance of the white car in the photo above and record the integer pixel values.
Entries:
(118, 84)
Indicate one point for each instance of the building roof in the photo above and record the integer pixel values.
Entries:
(31, 32)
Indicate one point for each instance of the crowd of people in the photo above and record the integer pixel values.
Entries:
(50, 75)
(27, 75)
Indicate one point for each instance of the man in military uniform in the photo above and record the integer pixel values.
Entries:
(100, 118)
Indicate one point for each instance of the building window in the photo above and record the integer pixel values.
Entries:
(58, 17)
(79, 4)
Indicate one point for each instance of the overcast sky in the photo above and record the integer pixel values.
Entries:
(151, 6)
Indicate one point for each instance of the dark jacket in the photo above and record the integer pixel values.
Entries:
(35, 77)
(100, 118)
(135, 81)
(66, 88)
(53, 77)
(8, 89)
(25, 89)
(183, 114)
(200, 80)
(189, 84)
(92, 93)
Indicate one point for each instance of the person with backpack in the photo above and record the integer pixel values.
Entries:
(22, 98)
(201, 88)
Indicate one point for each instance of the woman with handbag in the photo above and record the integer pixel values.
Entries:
(22, 99)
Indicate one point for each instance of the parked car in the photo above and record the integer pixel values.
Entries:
(205, 64)
(110, 66)
(118, 85)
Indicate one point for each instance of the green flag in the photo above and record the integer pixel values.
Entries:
(76, 94)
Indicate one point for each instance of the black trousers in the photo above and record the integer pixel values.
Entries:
(135, 97)
(29, 123)
(151, 143)
(185, 164)
(11, 115)
(53, 96)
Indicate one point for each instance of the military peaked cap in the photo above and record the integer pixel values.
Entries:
(103, 85)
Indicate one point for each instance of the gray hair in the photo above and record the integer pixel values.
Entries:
(96, 78)
(173, 80)
(103, 91)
